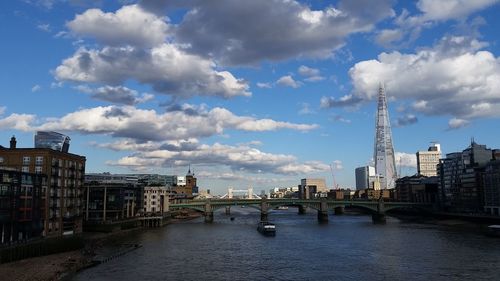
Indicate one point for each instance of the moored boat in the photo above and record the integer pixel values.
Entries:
(493, 230)
(267, 228)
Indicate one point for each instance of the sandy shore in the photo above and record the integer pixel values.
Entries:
(51, 267)
(59, 266)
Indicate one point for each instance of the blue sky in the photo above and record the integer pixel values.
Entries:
(259, 93)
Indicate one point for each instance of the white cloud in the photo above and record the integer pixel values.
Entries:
(130, 25)
(288, 81)
(239, 158)
(408, 27)
(306, 109)
(264, 85)
(36, 88)
(166, 68)
(406, 159)
(117, 94)
(310, 74)
(456, 123)
(283, 29)
(451, 9)
(44, 27)
(453, 78)
(140, 124)
(21, 122)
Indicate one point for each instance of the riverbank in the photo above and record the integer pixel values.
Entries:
(63, 266)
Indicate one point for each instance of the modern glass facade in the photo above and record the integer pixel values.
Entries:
(52, 140)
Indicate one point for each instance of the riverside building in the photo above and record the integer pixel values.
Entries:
(63, 208)
(427, 161)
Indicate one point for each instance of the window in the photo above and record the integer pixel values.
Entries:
(39, 160)
(1, 160)
(38, 170)
(26, 160)
(25, 169)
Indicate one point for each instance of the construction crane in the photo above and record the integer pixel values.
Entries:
(335, 185)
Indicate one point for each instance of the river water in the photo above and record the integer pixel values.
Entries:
(349, 247)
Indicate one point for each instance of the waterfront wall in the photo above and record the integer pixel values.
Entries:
(41, 247)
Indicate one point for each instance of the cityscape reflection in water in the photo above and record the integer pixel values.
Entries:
(349, 247)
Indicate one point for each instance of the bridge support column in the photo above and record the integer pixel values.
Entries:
(323, 212)
(209, 213)
(228, 210)
(302, 210)
(209, 217)
(263, 210)
(339, 210)
(379, 216)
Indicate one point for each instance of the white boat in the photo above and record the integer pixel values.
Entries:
(282, 208)
(267, 228)
(493, 230)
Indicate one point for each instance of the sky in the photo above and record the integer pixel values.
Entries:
(257, 93)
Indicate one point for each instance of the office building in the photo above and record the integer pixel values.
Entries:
(461, 187)
(312, 188)
(115, 200)
(385, 163)
(52, 140)
(492, 188)
(365, 176)
(65, 176)
(427, 160)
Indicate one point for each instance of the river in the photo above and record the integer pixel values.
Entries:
(348, 247)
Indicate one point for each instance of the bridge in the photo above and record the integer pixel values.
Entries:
(377, 209)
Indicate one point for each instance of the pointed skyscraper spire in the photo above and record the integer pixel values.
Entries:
(385, 163)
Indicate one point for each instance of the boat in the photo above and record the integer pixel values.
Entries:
(267, 228)
(493, 230)
(282, 208)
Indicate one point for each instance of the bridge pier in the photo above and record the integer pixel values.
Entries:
(323, 212)
(209, 217)
(302, 210)
(339, 210)
(379, 216)
(209, 213)
(263, 210)
(228, 210)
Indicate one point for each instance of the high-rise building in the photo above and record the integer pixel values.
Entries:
(63, 210)
(428, 160)
(310, 188)
(385, 163)
(52, 140)
(461, 179)
(364, 177)
(492, 188)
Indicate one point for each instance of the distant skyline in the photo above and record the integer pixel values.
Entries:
(259, 93)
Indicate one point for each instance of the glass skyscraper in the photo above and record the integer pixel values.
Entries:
(52, 140)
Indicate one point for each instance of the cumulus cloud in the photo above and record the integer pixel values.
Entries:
(455, 77)
(117, 94)
(167, 68)
(144, 125)
(408, 27)
(239, 158)
(130, 25)
(310, 74)
(347, 100)
(405, 120)
(36, 88)
(284, 29)
(457, 123)
(21, 122)
(264, 85)
(408, 160)
(288, 81)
